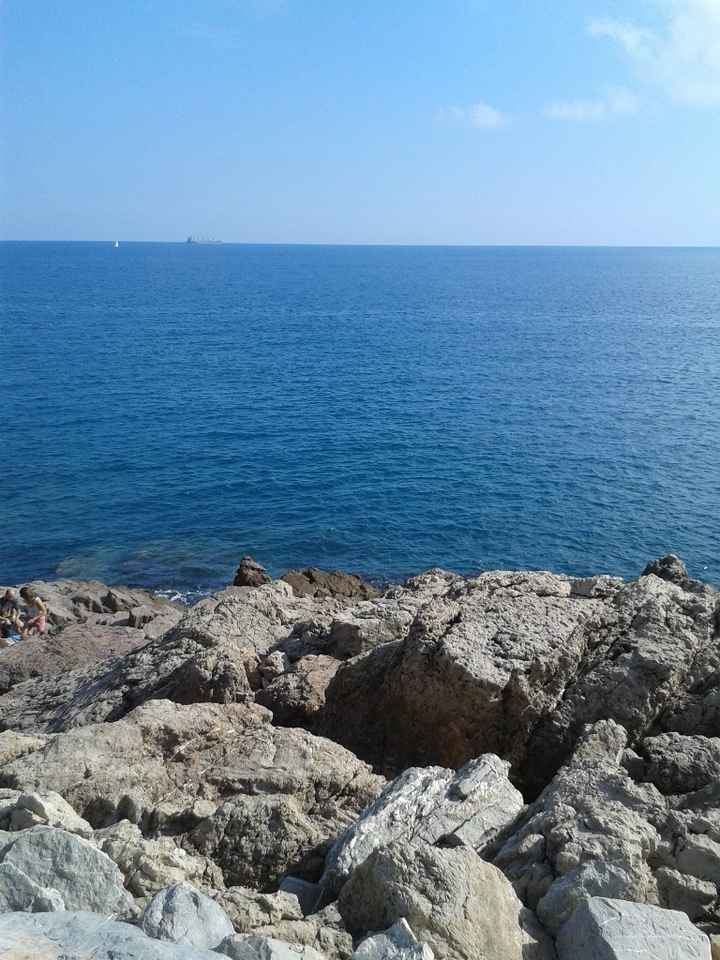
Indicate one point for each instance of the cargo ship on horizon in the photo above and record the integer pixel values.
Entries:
(204, 240)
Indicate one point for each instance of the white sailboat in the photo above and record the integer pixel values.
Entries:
(116, 244)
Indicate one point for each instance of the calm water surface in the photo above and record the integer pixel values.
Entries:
(382, 409)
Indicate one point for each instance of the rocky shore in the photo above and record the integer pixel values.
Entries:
(512, 766)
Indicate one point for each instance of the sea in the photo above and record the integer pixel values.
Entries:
(167, 408)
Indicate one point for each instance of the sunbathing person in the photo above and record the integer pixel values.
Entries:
(35, 615)
(10, 622)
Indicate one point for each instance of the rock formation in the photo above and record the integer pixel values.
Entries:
(513, 765)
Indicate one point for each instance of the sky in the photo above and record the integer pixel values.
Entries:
(351, 121)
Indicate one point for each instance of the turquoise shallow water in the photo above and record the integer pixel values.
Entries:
(382, 409)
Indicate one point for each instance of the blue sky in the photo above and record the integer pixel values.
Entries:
(411, 121)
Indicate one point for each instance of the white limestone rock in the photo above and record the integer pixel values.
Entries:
(468, 808)
(398, 942)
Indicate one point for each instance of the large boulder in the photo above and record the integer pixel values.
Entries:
(257, 800)
(85, 878)
(182, 914)
(83, 936)
(516, 664)
(458, 904)
(604, 929)
(468, 808)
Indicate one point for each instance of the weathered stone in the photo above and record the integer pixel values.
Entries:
(482, 663)
(669, 568)
(48, 809)
(250, 573)
(182, 914)
(258, 800)
(280, 916)
(243, 946)
(210, 656)
(676, 763)
(150, 865)
(678, 891)
(85, 878)
(296, 696)
(308, 894)
(312, 582)
(398, 942)
(83, 936)
(460, 905)
(19, 892)
(469, 808)
(604, 929)
(592, 832)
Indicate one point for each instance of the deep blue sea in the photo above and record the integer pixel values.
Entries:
(167, 408)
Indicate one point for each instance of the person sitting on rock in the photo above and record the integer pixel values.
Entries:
(10, 623)
(35, 615)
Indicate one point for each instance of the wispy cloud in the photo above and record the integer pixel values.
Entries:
(480, 115)
(616, 102)
(679, 54)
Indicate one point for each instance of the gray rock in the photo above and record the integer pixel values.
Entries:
(676, 763)
(592, 832)
(243, 946)
(678, 891)
(83, 936)
(604, 929)
(19, 892)
(470, 807)
(182, 914)
(396, 943)
(85, 878)
(461, 906)
(48, 809)
(308, 894)
(150, 865)
(278, 915)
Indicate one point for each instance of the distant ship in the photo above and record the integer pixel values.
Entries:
(116, 244)
(192, 239)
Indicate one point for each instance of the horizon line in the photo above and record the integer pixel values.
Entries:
(388, 243)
